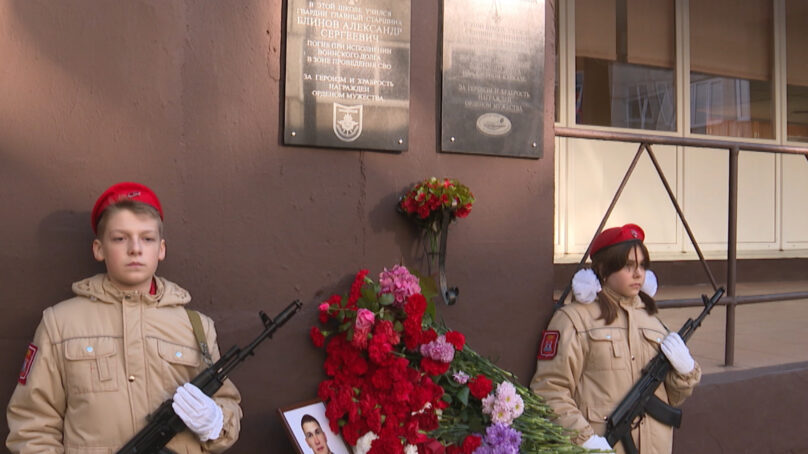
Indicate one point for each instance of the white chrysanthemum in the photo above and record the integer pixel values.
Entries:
(585, 286)
(650, 285)
(364, 442)
(488, 403)
(410, 449)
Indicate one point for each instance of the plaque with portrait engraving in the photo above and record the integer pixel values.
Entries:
(493, 77)
(348, 74)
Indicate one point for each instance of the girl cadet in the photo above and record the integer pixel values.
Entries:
(594, 349)
(102, 361)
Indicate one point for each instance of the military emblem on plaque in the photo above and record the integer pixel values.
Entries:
(347, 122)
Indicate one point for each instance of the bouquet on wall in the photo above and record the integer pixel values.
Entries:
(426, 202)
(398, 382)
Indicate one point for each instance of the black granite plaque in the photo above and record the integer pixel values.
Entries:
(348, 74)
(493, 77)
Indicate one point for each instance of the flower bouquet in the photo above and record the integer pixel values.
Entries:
(398, 382)
(428, 200)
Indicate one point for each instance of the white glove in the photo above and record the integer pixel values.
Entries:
(677, 353)
(598, 443)
(199, 412)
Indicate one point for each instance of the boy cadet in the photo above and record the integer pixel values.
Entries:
(103, 360)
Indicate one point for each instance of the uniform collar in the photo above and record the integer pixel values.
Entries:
(119, 295)
(633, 302)
(100, 288)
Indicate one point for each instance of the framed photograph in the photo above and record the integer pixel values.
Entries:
(309, 431)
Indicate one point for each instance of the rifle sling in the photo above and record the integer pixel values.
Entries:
(199, 333)
(664, 413)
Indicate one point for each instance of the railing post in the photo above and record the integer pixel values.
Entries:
(732, 256)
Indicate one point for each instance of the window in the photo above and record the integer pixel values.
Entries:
(797, 70)
(731, 65)
(624, 64)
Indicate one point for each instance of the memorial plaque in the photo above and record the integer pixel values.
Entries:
(348, 74)
(493, 77)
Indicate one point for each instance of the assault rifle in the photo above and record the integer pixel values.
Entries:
(641, 399)
(164, 423)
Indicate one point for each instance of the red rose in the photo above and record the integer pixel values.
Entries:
(463, 211)
(408, 204)
(480, 386)
(316, 337)
(457, 339)
(432, 447)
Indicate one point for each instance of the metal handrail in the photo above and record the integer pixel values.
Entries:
(731, 300)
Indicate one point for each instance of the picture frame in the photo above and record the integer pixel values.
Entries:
(313, 411)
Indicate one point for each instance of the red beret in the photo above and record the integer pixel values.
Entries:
(615, 235)
(120, 191)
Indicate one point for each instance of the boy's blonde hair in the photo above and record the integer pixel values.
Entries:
(130, 205)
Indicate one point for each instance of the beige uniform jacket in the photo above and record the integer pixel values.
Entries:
(597, 364)
(106, 359)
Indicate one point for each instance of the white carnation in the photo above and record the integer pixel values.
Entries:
(364, 442)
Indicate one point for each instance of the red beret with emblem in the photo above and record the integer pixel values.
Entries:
(124, 191)
(616, 235)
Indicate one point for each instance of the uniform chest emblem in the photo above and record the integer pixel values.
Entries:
(30, 355)
(549, 345)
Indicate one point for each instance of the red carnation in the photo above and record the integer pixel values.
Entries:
(457, 339)
(432, 367)
(350, 433)
(316, 337)
(386, 444)
(412, 333)
(480, 386)
(428, 336)
(356, 288)
(416, 305)
(470, 443)
(432, 446)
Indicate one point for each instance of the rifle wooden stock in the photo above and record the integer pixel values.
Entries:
(641, 399)
(164, 424)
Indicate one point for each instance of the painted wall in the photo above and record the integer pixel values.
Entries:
(185, 97)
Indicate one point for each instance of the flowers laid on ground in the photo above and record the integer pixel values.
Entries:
(398, 382)
(427, 201)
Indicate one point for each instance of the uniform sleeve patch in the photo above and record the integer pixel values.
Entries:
(549, 344)
(30, 355)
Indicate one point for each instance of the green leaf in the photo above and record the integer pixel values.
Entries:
(386, 299)
(463, 395)
(368, 294)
